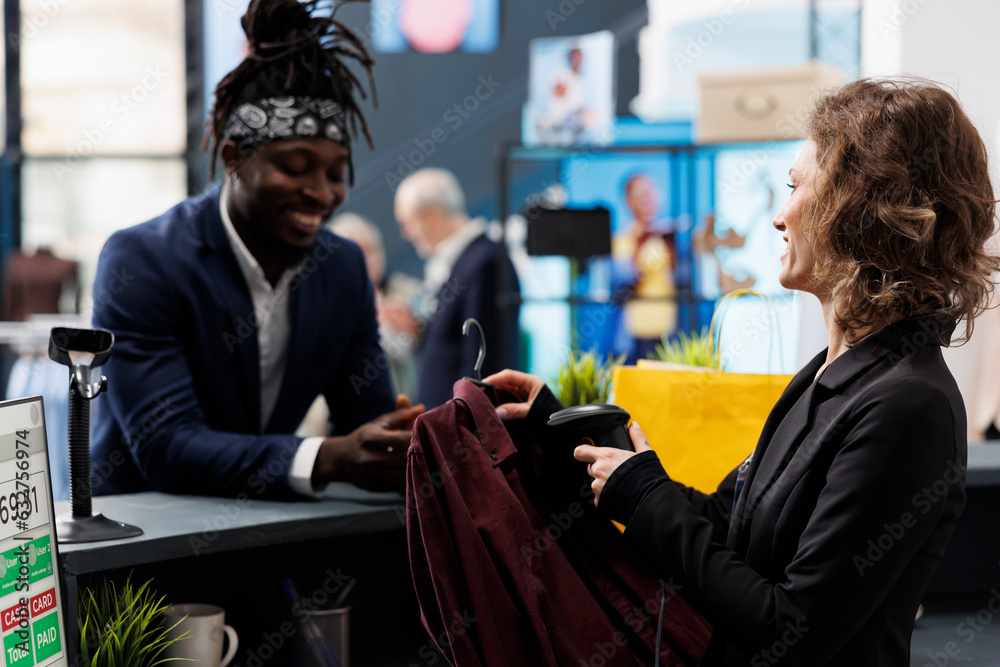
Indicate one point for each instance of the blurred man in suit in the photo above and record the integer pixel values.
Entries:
(467, 275)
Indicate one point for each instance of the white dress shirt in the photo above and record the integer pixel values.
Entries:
(272, 316)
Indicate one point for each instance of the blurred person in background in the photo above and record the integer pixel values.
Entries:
(461, 281)
(395, 293)
(645, 257)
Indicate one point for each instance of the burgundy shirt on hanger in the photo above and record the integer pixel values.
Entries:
(511, 562)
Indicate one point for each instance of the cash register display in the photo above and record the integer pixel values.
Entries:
(31, 614)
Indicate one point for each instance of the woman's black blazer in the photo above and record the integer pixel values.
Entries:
(854, 489)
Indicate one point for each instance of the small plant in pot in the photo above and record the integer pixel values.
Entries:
(585, 378)
(123, 626)
(694, 349)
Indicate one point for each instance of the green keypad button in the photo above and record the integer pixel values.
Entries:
(41, 549)
(14, 655)
(45, 634)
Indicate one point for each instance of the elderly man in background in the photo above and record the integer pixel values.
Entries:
(461, 280)
(395, 295)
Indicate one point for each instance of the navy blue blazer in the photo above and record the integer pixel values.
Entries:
(472, 290)
(182, 409)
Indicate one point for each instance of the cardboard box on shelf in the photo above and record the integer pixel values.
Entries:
(760, 105)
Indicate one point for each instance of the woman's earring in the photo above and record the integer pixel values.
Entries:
(234, 178)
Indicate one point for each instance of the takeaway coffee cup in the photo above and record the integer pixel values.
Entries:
(205, 625)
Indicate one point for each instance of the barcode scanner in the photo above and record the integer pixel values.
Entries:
(601, 424)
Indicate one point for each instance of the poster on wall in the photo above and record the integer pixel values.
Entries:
(650, 261)
(571, 91)
(739, 245)
(435, 26)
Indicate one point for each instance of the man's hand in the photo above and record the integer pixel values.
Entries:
(373, 456)
(398, 317)
(522, 385)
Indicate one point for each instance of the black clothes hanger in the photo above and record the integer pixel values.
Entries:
(490, 390)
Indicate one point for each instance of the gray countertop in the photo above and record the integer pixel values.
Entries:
(984, 464)
(177, 526)
(181, 526)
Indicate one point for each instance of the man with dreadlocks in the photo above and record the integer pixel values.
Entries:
(236, 308)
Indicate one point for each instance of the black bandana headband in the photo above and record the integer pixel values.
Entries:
(254, 124)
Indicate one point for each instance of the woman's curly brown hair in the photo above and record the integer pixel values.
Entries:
(904, 205)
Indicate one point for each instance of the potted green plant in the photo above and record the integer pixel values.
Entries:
(695, 349)
(123, 627)
(585, 378)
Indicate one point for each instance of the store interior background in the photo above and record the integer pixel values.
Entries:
(114, 93)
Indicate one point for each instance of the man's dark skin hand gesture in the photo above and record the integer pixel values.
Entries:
(373, 456)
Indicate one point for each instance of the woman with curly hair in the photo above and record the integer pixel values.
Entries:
(240, 308)
(817, 550)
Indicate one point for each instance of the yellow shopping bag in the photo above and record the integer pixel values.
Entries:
(701, 422)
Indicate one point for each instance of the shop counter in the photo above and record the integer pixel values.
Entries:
(209, 539)
(984, 465)
(176, 526)
(195, 532)
(970, 563)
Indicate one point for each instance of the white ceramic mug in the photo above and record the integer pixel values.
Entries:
(205, 625)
